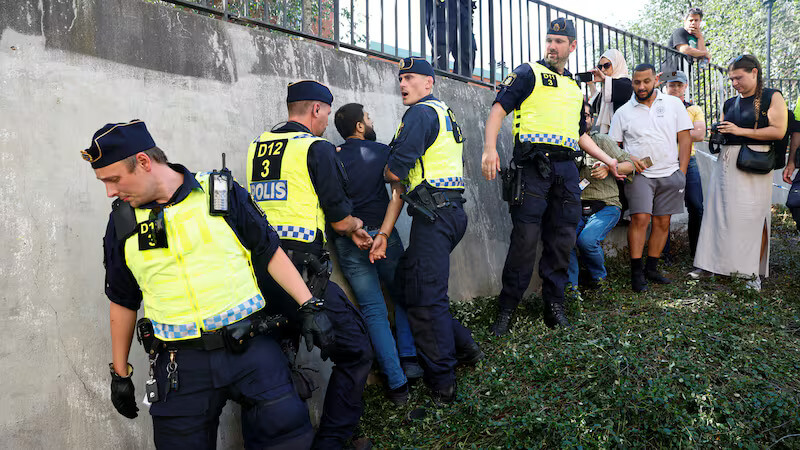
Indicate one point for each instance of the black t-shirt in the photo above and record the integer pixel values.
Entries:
(679, 37)
(744, 115)
(363, 163)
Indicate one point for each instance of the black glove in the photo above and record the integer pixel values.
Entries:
(315, 325)
(122, 393)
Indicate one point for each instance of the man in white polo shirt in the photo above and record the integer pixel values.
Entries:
(654, 129)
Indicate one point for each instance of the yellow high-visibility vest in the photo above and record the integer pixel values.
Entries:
(442, 164)
(552, 112)
(278, 179)
(203, 280)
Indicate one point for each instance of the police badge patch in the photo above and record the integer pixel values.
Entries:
(509, 80)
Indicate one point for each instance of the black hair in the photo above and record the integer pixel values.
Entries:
(694, 11)
(749, 63)
(645, 66)
(347, 117)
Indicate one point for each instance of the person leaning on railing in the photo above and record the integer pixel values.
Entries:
(689, 39)
(734, 235)
(616, 87)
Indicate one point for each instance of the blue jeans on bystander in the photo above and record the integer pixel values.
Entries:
(365, 279)
(592, 230)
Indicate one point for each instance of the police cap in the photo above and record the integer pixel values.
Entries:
(562, 27)
(117, 141)
(308, 90)
(415, 65)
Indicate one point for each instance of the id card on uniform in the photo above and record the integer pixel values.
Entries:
(584, 182)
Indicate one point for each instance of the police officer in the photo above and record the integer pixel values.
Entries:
(294, 176)
(427, 156)
(194, 270)
(445, 20)
(549, 131)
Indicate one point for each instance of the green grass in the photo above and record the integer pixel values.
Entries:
(692, 364)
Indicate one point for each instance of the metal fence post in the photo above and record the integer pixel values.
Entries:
(492, 62)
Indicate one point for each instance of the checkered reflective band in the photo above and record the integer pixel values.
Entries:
(449, 182)
(545, 138)
(172, 332)
(293, 232)
(303, 136)
(234, 314)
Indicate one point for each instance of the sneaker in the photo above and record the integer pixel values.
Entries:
(398, 396)
(502, 324)
(656, 277)
(411, 368)
(697, 274)
(754, 284)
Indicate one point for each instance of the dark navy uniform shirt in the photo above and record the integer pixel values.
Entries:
(327, 175)
(245, 219)
(519, 85)
(420, 127)
(363, 163)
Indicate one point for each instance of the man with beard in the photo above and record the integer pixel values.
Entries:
(363, 160)
(549, 132)
(654, 129)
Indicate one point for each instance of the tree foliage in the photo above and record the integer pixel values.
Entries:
(731, 28)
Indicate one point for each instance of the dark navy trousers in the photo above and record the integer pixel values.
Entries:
(443, 33)
(273, 416)
(550, 211)
(352, 357)
(423, 274)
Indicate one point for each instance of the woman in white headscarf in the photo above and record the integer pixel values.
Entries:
(616, 87)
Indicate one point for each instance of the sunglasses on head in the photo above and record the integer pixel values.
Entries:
(604, 66)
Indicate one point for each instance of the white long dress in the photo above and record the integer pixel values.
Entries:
(737, 209)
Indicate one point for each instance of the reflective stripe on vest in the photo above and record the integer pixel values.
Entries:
(552, 112)
(441, 165)
(278, 179)
(203, 280)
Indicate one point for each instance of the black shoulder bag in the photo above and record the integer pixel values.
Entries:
(753, 161)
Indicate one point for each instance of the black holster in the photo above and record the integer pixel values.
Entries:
(315, 270)
(513, 184)
(422, 200)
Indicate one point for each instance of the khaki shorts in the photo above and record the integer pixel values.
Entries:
(656, 196)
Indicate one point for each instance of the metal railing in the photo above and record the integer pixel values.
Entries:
(506, 34)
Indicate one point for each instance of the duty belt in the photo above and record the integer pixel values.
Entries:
(232, 337)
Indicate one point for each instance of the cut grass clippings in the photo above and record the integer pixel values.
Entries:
(703, 363)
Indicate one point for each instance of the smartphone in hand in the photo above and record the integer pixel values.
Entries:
(647, 161)
(584, 77)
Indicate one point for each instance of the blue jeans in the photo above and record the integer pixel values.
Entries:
(365, 279)
(592, 230)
